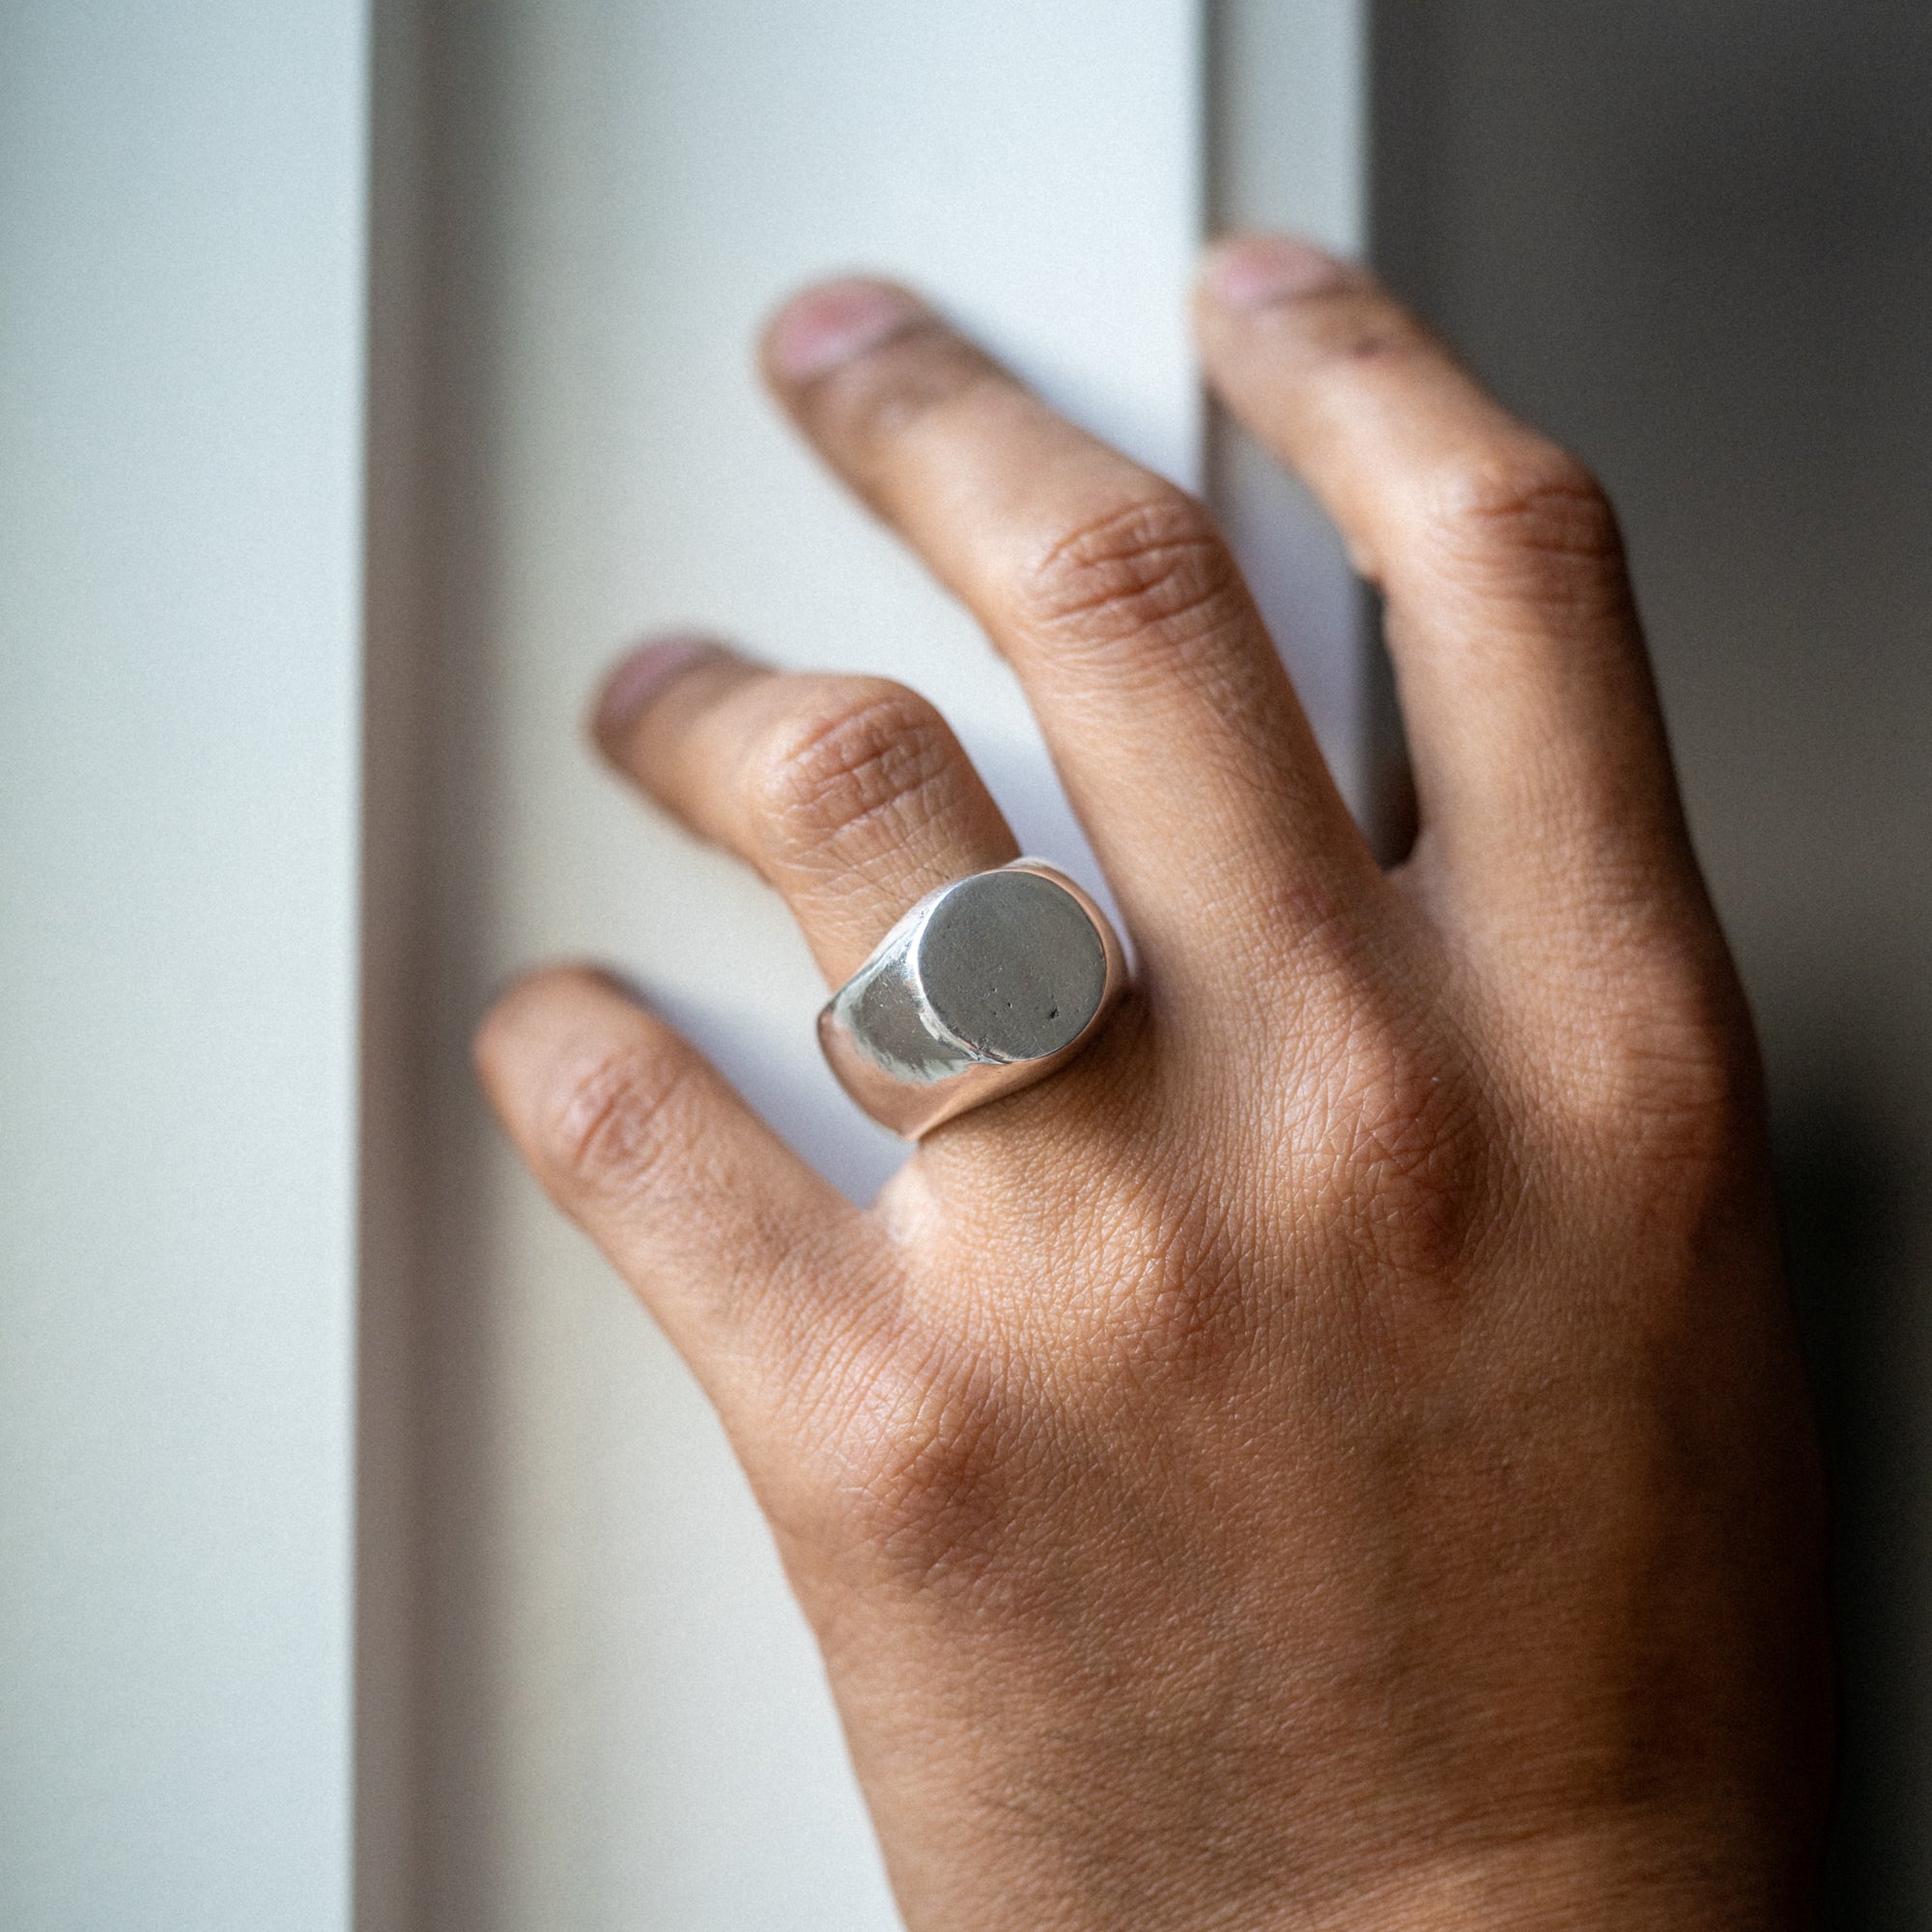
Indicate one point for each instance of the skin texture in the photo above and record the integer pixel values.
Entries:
(1335, 1455)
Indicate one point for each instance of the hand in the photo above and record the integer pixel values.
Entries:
(1335, 1455)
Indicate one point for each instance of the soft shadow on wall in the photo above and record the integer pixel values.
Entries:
(1693, 240)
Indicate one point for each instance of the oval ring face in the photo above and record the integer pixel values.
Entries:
(984, 986)
(1011, 966)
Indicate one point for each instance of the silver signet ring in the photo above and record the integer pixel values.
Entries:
(983, 987)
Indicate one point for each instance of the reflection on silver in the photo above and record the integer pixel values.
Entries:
(983, 987)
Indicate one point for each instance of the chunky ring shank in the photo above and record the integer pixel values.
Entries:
(983, 987)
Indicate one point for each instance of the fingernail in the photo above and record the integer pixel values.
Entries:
(814, 332)
(637, 677)
(1259, 269)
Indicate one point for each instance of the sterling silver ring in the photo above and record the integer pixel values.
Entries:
(983, 987)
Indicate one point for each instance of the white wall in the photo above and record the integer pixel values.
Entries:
(628, 1724)
(181, 297)
(582, 1696)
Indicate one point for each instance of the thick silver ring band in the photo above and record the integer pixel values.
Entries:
(984, 986)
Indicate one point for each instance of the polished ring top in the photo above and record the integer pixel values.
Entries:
(984, 986)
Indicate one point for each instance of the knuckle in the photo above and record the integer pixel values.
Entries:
(1670, 1128)
(1523, 486)
(1408, 1156)
(933, 1474)
(1524, 516)
(1669, 1086)
(616, 1119)
(864, 763)
(1151, 568)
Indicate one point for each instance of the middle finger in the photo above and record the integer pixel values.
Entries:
(1162, 700)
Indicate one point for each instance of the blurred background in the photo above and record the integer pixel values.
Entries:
(1693, 240)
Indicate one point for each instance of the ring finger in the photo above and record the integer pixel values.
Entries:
(849, 795)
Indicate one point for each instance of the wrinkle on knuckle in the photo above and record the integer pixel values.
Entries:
(1526, 518)
(1407, 1153)
(869, 769)
(1152, 568)
(616, 1119)
(1665, 1092)
(932, 1480)
(1671, 1142)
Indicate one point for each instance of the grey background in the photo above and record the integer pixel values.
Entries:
(1693, 240)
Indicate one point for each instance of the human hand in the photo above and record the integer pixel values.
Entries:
(1334, 1456)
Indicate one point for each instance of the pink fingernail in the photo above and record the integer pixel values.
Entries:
(638, 677)
(1259, 269)
(817, 331)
